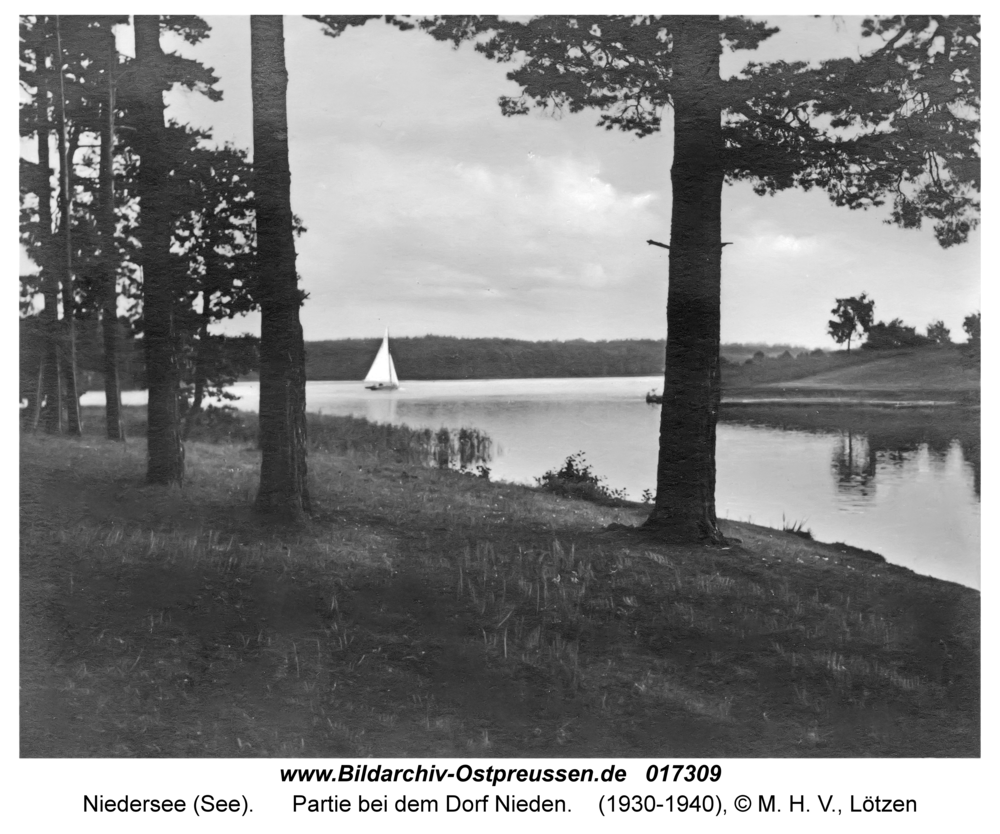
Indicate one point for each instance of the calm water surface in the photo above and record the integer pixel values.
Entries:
(915, 502)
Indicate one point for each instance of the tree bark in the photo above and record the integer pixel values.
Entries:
(283, 492)
(165, 452)
(51, 417)
(107, 272)
(684, 510)
(67, 152)
(200, 376)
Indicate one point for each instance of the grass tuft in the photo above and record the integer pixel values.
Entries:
(796, 528)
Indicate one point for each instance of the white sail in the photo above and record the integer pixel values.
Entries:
(383, 372)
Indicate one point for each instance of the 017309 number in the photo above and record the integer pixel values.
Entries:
(686, 773)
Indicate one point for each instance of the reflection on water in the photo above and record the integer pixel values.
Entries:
(465, 449)
(902, 483)
(858, 458)
(854, 464)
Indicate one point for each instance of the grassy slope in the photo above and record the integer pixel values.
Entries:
(932, 371)
(927, 369)
(424, 612)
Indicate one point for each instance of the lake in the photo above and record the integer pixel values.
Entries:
(905, 486)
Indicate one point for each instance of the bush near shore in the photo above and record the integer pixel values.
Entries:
(425, 612)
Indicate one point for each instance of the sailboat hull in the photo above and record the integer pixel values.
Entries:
(382, 387)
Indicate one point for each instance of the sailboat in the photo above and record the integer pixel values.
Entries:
(382, 376)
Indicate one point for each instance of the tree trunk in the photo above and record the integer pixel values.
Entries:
(200, 359)
(200, 377)
(67, 152)
(684, 510)
(107, 277)
(51, 418)
(283, 491)
(165, 452)
(34, 409)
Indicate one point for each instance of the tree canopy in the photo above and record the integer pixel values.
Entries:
(898, 124)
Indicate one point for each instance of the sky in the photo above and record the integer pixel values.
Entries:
(429, 212)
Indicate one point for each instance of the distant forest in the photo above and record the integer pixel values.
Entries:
(426, 357)
(447, 357)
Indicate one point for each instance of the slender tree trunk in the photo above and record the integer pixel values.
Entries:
(200, 374)
(200, 378)
(35, 406)
(165, 452)
(67, 152)
(51, 417)
(684, 510)
(283, 491)
(108, 273)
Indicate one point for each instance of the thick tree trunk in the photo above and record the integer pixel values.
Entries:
(108, 273)
(51, 418)
(684, 510)
(67, 152)
(165, 451)
(283, 490)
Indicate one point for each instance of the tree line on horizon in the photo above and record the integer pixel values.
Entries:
(854, 316)
(896, 126)
(451, 357)
(422, 357)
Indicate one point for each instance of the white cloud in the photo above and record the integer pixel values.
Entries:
(427, 210)
(786, 244)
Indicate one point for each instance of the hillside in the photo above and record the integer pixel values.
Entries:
(905, 373)
(938, 369)
(425, 612)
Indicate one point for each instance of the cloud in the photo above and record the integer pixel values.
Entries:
(786, 244)
(430, 212)
(555, 220)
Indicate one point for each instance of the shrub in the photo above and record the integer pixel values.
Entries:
(576, 479)
(938, 333)
(971, 349)
(895, 334)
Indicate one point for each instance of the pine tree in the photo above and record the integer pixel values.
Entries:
(165, 451)
(284, 493)
(898, 124)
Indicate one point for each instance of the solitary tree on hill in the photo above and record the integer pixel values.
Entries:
(852, 317)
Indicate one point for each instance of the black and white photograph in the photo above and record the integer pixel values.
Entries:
(493, 387)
